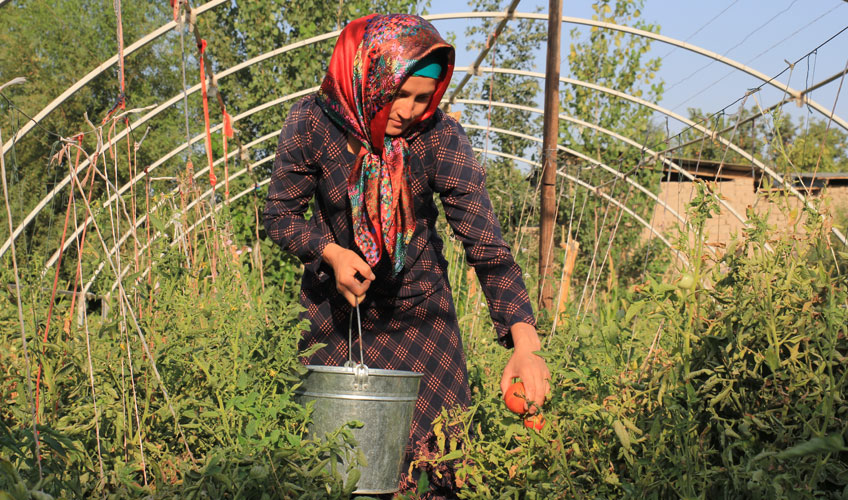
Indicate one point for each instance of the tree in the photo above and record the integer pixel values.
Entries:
(506, 179)
(611, 59)
(816, 147)
(614, 60)
(53, 44)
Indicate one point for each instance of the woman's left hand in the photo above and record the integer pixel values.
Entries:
(528, 366)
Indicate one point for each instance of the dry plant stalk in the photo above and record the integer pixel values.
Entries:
(126, 302)
(20, 312)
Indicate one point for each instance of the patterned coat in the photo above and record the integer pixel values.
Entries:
(408, 320)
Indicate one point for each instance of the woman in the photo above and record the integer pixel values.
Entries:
(372, 148)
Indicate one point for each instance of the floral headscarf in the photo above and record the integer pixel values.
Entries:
(372, 59)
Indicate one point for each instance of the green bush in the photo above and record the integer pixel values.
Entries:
(227, 355)
(724, 381)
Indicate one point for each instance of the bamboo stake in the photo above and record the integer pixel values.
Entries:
(593, 264)
(81, 244)
(125, 411)
(123, 324)
(139, 332)
(124, 330)
(21, 314)
(93, 394)
(257, 252)
(55, 284)
(133, 216)
(147, 230)
(184, 190)
(612, 234)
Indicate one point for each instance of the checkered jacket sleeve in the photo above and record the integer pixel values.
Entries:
(460, 180)
(293, 184)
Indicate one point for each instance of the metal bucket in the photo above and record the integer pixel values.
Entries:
(383, 400)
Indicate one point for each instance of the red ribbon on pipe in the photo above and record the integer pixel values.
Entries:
(228, 134)
(202, 48)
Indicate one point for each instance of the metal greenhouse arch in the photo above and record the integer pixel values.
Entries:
(330, 35)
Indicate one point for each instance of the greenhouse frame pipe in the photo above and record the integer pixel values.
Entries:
(108, 63)
(615, 135)
(431, 17)
(264, 106)
(660, 38)
(141, 220)
(597, 163)
(471, 15)
(188, 230)
(127, 186)
(583, 184)
(757, 163)
(123, 189)
(161, 108)
(592, 189)
(508, 132)
(596, 191)
(565, 174)
(671, 164)
(763, 111)
(294, 95)
(624, 139)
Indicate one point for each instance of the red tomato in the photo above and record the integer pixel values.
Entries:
(535, 422)
(514, 398)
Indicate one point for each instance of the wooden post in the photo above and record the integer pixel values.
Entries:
(549, 165)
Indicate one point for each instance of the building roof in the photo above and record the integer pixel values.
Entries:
(722, 171)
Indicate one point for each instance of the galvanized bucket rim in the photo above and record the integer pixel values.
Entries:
(371, 371)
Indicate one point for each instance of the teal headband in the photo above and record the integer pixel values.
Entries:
(429, 67)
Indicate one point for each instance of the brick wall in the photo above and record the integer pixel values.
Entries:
(783, 211)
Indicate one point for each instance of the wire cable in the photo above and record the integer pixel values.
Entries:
(755, 57)
(759, 87)
(732, 48)
(704, 26)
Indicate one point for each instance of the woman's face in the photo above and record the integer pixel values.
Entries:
(411, 102)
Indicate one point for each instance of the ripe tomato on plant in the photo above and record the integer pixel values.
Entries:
(536, 422)
(515, 399)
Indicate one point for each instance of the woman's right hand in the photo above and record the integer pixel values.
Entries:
(349, 268)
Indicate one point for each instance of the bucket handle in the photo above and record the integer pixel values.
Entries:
(360, 370)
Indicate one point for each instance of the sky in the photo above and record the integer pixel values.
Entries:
(762, 34)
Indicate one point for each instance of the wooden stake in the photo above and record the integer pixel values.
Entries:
(571, 249)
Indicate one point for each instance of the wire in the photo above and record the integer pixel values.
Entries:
(760, 86)
(793, 34)
(755, 57)
(704, 26)
(19, 110)
(732, 48)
